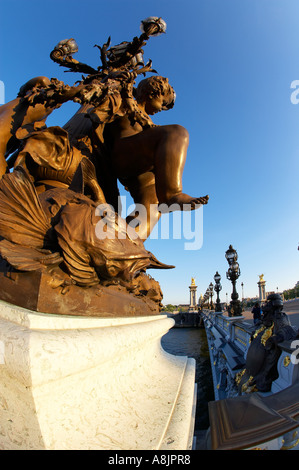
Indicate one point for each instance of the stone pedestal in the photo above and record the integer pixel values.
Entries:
(262, 289)
(71, 382)
(193, 296)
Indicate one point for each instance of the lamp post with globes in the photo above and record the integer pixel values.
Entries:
(208, 298)
(217, 287)
(233, 273)
(243, 300)
(211, 293)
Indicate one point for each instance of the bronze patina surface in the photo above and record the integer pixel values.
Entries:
(63, 246)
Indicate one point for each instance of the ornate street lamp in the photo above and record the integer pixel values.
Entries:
(217, 287)
(235, 308)
(211, 292)
(231, 255)
(207, 298)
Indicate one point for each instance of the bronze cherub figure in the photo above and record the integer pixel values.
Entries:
(54, 179)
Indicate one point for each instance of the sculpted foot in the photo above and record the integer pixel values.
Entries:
(184, 199)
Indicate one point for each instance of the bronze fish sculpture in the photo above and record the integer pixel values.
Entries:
(58, 228)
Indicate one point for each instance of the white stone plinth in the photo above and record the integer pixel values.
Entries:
(69, 382)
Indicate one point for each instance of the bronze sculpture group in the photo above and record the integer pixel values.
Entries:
(262, 355)
(55, 179)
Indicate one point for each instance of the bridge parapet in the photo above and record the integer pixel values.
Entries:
(243, 417)
(229, 339)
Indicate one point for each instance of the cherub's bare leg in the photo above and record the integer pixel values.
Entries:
(143, 191)
(163, 150)
(170, 158)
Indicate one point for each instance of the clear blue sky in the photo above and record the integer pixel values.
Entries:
(231, 64)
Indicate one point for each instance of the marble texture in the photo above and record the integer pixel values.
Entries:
(70, 382)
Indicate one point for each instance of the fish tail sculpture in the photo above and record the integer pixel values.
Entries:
(32, 239)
